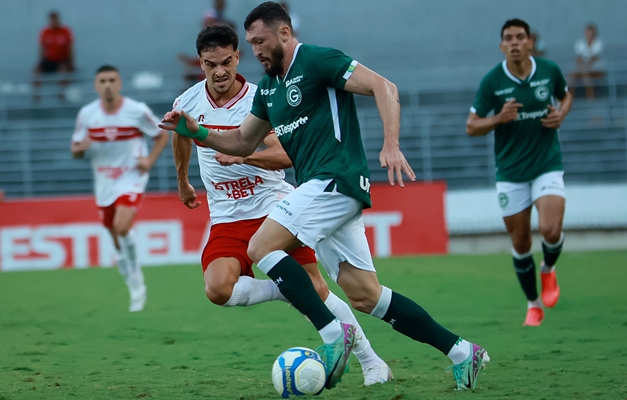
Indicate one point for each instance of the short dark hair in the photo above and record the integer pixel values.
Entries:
(107, 68)
(269, 13)
(214, 36)
(516, 22)
(593, 26)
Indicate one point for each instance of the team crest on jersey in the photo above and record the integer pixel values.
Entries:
(542, 93)
(111, 133)
(294, 96)
(503, 200)
(201, 118)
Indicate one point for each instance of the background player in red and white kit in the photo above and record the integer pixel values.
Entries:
(241, 192)
(112, 128)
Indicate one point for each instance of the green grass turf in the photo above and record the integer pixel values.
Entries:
(67, 334)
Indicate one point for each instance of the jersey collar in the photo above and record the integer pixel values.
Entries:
(278, 80)
(235, 98)
(512, 77)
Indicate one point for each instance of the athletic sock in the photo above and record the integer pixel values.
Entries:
(127, 247)
(551, 252)
(525, 269)
(362, 350)
(296, 286)
(537, 303)
(249, 291)
(460, 351)
(411, 320)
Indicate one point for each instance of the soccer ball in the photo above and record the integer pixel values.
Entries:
(298, 371)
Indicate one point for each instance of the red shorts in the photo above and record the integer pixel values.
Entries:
(130, 200)
(231, 240)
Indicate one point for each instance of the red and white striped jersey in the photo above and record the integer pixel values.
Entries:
(117, 141)
(236, 192)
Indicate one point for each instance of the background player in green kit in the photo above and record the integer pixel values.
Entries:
(307, 97)
(521, 92)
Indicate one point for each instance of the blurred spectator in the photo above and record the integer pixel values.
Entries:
(55, 50)
(294, 17)
(214, 16)
(589, 64)
(538, 47)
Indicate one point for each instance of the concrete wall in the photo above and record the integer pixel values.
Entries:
(595, 219)
(150, 33)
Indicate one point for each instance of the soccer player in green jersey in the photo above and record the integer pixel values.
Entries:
(522, 91)
(307, 98)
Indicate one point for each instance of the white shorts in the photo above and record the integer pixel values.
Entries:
(515, 197)
(327, 221)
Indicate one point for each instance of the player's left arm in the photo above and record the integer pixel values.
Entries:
(556, 116)
(368, 83)
(273, 158)
(144, 164)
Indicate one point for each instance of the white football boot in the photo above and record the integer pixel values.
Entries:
(380, 373)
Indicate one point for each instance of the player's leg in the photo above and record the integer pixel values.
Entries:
(516, 201)
(122, 226)
(346, 257)
(268, 249)
(107, 215)
(227, 269)
(549, 196)
(375, 370)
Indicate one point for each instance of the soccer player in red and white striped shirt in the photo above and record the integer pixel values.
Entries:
(112, 128)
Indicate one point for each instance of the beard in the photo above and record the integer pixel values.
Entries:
(276, 62)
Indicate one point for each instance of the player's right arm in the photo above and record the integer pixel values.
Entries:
(182, 152)
(478, 123)
(477, 126)
(80, 138)
(241, 142)
(272, 159)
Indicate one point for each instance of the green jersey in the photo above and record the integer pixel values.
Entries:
(315, 119)
(524, 149)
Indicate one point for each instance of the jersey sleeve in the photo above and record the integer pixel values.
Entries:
(561, 87)
(80, 130)
(331, 66)
(259, 106)
(484, 100)
(148, 122)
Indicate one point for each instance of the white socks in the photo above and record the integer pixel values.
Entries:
(460, 351)
(249, 291)
(362, 350)
(331, 332)
(128, 251)
(547, 270)
(537, 303)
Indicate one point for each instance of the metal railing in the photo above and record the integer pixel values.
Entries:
(35, 159)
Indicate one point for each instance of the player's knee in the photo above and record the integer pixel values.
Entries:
(218, 294)
(364, 301)
(551, 233)
(255, 251)
(522, 243)
(364, 305)
(121, 229)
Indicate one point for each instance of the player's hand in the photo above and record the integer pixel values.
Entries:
(226, 160)
(83, 145)
(172, 118)
(144, 164)
(393, 159)
(509, 112)
(554, 119)
(187, 195)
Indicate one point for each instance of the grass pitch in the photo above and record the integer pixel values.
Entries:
(67, 334)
